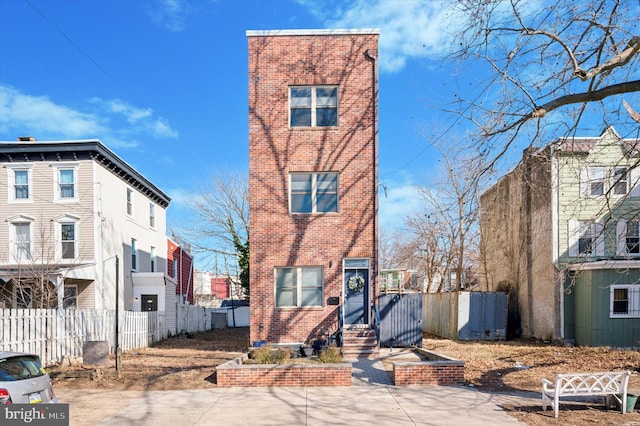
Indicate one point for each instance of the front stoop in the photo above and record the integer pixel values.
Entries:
(359, 343)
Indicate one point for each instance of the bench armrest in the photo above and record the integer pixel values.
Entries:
(547, 384)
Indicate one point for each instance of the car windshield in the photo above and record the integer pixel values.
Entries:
(20, 368)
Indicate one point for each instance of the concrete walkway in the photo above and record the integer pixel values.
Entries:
(355, 405)
(372, 399)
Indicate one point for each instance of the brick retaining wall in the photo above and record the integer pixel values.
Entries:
(234, 373)
(439, 371)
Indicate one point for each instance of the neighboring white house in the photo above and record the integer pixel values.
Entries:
(76, 213)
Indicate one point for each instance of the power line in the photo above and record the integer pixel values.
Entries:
(80, 49)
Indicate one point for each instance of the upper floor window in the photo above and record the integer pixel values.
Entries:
(624, 301)
(134, 255)
(586, 238)
(313, 192)
(598, 181)
(620, 181)
(592, 181)
(152, 215)
(129, 202)
(299, 286)
(65, 182)
(152, 255)
(632, 237)
(68, 240)
(20, 234)
(313, 106)
(19, 178)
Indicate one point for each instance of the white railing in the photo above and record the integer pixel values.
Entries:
(58, 334)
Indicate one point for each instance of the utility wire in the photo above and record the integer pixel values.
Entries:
(80, 49)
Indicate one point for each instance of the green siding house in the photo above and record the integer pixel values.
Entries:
(562, 237)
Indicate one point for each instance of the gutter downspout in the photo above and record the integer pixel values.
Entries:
(374, 141)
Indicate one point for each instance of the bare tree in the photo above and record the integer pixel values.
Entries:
(446, 232)
(36, 269)
(550, 68)
(221, 233)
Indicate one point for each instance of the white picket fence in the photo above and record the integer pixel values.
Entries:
(58, 334)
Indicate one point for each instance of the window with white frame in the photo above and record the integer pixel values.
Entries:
(586, 238)
(65, 182)
(313, 192)
(592, 181)
(152, 215)
(134, 255)
(620, 181)
(68, 240)
(625, 301)
(20, 185)
(313, 106)
(632, 238)
(598, 181)
(628, 237)
(21, 240)
(152, 255)
(299, 286)
(129, 202)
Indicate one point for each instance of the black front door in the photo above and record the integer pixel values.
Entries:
(149, 302)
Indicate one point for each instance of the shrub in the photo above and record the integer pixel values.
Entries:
(331, 354)
(270, 355)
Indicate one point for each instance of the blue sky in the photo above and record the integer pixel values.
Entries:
(163, 83)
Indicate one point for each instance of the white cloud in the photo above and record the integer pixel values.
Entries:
(397, 200)
(27, 115)
(115, 122)
(171, 14)
(409, 29)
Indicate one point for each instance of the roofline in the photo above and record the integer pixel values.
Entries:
(311, 32)
(91, 146)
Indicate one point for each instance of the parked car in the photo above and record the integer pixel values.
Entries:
(23, 380)
(233, 303)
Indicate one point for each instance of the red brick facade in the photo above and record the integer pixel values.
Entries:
(278, 60)
(258, 375)
(428, 373)
(180, 267)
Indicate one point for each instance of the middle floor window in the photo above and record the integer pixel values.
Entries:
(299, 286)
(313, 192)
(313, 106)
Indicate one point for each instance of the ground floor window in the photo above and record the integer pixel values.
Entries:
(625, 301)
(299, 286)
(70, 300)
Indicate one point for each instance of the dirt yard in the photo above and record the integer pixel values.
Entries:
(189, 363)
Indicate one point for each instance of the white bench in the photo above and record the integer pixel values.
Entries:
(586, 384)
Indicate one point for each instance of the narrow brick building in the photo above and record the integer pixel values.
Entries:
(313, 182)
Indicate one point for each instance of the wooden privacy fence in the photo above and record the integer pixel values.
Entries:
(192, 318)
(57, 334)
